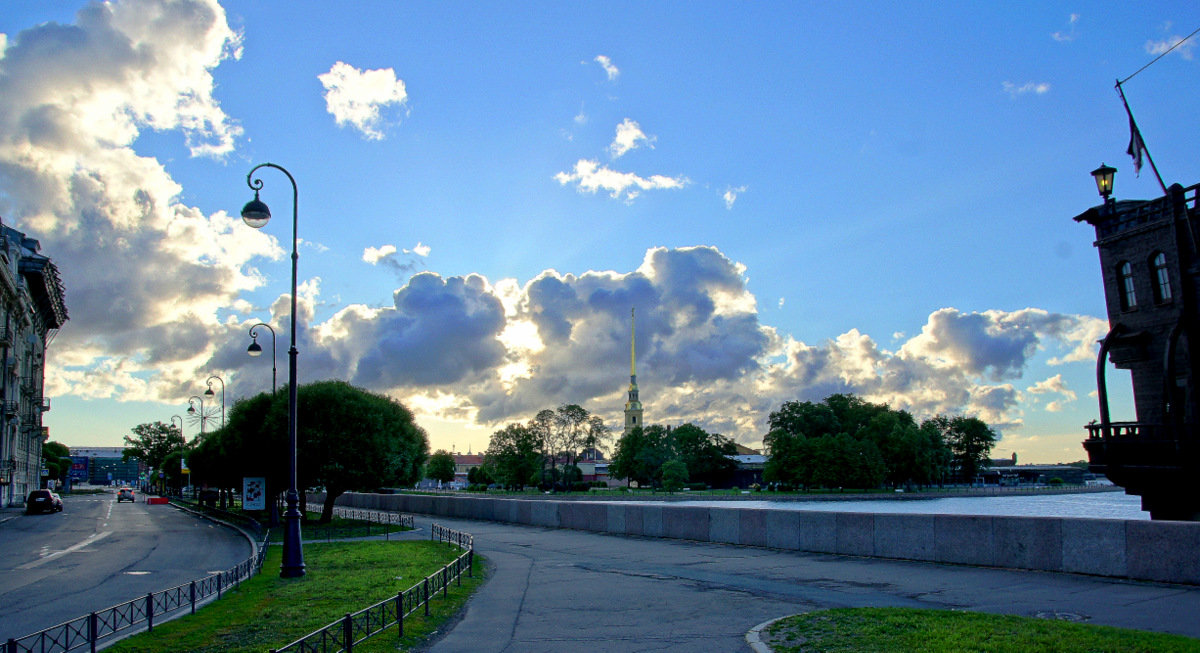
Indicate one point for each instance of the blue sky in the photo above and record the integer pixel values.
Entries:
(797, 198)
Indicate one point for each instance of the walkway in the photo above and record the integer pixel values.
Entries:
(561, 590)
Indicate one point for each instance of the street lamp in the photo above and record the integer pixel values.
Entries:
(177, 417)
(192, 410)
(209, 393)
(256, 214)
(256, 350)
(1104, 180)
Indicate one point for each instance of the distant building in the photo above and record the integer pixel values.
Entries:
(31, 299)
(105, 466)
(633, 407)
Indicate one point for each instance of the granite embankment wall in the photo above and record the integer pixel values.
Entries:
(1142, 550)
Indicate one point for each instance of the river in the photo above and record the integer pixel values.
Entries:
(1095, 505)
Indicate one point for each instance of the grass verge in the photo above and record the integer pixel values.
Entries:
(267, 611)
(870, 630)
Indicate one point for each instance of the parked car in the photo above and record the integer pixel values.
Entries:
(43, 501)
(125, 494)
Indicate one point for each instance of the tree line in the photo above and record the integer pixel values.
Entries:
(544, 451)
(347, 439)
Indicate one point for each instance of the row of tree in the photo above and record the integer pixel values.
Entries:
(347, 439)
(544, 451)
(844, 441)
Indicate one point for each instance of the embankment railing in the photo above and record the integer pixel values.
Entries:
(88, 630)
(386, 521)
(354, 628)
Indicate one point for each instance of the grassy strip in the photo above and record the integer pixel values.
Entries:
(943, 631)
(268, 611)
(341, 527)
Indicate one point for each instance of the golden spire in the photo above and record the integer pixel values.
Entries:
(632, 343)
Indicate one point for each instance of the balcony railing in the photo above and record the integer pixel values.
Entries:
(1125, 430)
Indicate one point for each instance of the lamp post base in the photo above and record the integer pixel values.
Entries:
(293, 553)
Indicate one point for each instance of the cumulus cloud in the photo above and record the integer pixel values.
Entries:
(357, 97)
(398, 261)
(629, 137)
(73, 100)
(1037, 88)
(607, 65)
(731, 194)
(591, 177)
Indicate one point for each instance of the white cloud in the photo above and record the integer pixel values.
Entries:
(419, 250)
(629, 136)
(591, 177)
(1184, 49)
(355, 97)
(1037, 88)
(1069, 35)
(374, 255)
(731, 195)
(607, 65)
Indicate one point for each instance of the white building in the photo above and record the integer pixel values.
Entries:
(31, 312)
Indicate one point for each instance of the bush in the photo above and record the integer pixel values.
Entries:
(1055, 481)
(580, 486)
(696, 487)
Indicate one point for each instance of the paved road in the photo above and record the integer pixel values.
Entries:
(563, 590)
(98, 553)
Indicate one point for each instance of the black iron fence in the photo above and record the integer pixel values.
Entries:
(354, 628)
(376, 522)
(88, 630)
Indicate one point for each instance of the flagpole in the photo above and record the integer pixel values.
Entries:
(1136, 142)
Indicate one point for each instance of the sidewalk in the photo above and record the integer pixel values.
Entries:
(559, 589)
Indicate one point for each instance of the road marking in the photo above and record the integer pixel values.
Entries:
(50, 556)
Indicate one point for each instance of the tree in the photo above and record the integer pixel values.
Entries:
(706, 455)
(640, 454)
(56, 458)
(970, 441)
(674, 475)
(440, 466)
(514, 456)
(152, 442)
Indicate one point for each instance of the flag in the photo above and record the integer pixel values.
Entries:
(1137, 147)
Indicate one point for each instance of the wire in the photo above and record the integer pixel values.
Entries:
(1165, 53)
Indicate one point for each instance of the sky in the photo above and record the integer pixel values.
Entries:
(797, 199)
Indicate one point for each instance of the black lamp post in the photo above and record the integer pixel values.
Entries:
(192, 410)
(210, 393)
(255, 349)
(256, 214)
(1104, 180)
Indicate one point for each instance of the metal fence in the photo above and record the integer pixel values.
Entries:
(88, 630)
(378, 522)
(356, 627)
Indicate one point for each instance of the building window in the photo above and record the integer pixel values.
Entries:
(1125, 286)
(1162, 280)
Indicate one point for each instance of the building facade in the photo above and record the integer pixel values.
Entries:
(33, 307)
(1150, 264)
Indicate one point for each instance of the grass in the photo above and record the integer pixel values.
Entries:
(340, 527)
(268, 612)
(943, 631)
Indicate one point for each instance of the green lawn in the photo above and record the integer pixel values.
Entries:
(869, 630)
(267, 611)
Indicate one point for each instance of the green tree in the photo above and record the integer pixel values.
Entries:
(706, 455)
(640, 455)
(514, 456)
(440, 466)
(56, 458)
(970, 441)
(152, 442)
(674, 475)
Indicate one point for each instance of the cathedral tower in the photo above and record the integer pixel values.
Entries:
(633, 407)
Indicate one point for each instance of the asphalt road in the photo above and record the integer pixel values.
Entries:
(565, 590)
(98, 553)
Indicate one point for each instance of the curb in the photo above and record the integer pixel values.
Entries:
(755, 640)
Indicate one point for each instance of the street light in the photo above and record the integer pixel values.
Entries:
(1104, 180)
(256, 214)
(177, 417)
(209, 393)
(256, 350)
(192, 410)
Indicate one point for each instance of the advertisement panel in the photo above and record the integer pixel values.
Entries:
(254, 493)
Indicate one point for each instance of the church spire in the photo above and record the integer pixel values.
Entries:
(633, 407)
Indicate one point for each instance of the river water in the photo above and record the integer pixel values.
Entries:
(1095, 505)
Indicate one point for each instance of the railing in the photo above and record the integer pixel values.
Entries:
(387, 521)
(354, 628)
(1123, 430)
(90, 629)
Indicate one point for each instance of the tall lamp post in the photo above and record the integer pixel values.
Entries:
(192, 410)
(210, 393)
(256, 214)
(255, 349)
(177, 417)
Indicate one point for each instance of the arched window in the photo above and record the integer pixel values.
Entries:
(1162, 280)
(1125, 286)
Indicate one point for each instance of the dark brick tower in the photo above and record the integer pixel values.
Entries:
(1150, 262)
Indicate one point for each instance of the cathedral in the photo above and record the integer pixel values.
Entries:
(633, 407)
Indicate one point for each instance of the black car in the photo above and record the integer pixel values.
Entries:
(42, 501)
